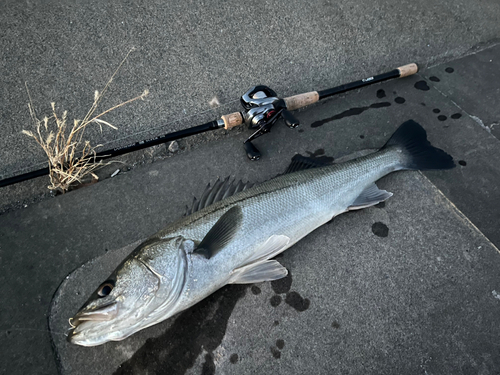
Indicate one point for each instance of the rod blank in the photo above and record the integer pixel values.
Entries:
(231, 120)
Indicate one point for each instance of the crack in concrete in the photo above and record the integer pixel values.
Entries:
(472, 117)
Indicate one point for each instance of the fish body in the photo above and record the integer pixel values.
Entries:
(233, 239)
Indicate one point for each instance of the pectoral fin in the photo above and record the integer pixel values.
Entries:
(221, 233)
(267, 270)
(370, 197)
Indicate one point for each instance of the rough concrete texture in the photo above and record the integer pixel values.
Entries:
(407, 288)
(41, 244)
(190, 52)
(474, 87)
(473, 185)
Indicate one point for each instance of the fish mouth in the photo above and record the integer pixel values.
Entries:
(104, 313)
(83, 320)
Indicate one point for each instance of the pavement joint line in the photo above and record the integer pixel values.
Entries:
(459, 213)
(466, 54)
(472, 117)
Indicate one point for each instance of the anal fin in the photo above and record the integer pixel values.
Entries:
(267, 270)
(371, 196)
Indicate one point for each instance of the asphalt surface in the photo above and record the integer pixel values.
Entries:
(435, 307)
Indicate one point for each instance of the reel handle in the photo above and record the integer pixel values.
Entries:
(262, 107)
(252, 152)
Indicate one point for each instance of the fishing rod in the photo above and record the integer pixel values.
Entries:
(262, 108)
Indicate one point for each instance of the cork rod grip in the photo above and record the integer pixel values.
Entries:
(301, 100)
(232, 120)
(407, 70)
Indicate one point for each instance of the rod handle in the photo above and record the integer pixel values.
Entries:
(301, 100)
(232, 120)
(407, 70)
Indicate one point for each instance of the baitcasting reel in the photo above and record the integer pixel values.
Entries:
(262, 108)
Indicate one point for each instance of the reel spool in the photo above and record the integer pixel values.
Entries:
(262, 108)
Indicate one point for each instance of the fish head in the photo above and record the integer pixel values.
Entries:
(139, 293)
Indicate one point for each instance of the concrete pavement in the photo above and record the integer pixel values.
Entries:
(419, 296)
(385, 308)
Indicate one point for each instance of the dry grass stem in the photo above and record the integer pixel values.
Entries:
(71, 158)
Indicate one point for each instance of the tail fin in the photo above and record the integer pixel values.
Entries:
(420, 154)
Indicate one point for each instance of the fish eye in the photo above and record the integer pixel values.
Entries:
(105, 288)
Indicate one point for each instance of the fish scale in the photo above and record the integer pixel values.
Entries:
(232, 240)
(292, 205)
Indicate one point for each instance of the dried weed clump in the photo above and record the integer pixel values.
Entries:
(71, 158)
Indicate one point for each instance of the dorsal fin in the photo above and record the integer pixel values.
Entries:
(222, 189)
(300, 162)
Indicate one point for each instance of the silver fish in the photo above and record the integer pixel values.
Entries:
(233, 231)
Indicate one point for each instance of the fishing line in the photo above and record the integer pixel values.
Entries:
(36, 330)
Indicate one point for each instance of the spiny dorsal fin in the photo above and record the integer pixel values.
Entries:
(221, 233)
(299, 163)
(222, 189)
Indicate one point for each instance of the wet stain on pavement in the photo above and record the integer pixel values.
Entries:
(234, 358)
(463, 163)
(280, 344)
(442, 118)
(319, 155)
(255, 290)
(400, 100)
(208, 367)
(350, 112)
(200, 328)
(283, 285)
(318, 152)
(422, 85)
(380, 94)
(335, 324)
(275, 301)
(456, 116)
(275, 352)
(362, 136)
(449, 70)
(380, 229)
(434, 79)
(295, 300)
(436, 110)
